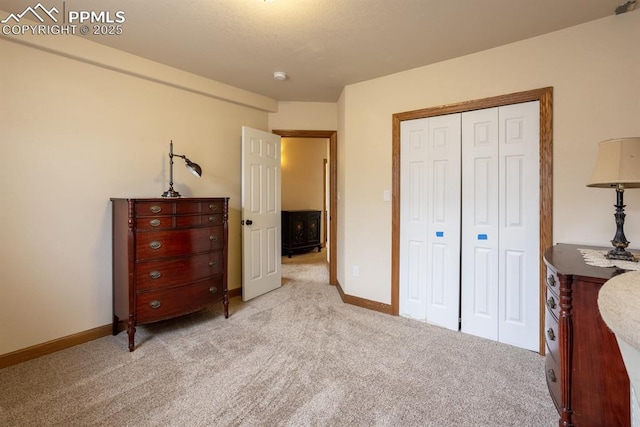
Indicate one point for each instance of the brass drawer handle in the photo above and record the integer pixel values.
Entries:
(213, 238)
(155, 209)
(551, 375)
(213, 290)
(212, 218)
(155, 274)
(551, 281)
(155, 245)
(551, 334)
(213, 207)
(213, 264)
(551, 303)
(155, 304)
(155, 222)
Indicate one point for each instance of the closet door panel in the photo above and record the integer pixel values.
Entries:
(479, 273)
(515, 291)
(519, 259)
(443, 235)
(414, 219)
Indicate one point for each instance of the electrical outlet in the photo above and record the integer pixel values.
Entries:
(356, 270)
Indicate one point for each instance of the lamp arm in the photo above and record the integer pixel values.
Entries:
(193, 167)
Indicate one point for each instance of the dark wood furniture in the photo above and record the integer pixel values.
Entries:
(585, 372)
(169, 258)
(300, 231)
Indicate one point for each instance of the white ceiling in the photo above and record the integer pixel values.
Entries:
(322, 45)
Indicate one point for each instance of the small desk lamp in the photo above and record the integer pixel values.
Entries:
(193, 167)
(618, 166)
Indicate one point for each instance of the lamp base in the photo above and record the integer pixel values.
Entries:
(171, 193)
(621, 254)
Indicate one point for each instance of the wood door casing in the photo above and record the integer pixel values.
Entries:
(333, 189)
(545, 96)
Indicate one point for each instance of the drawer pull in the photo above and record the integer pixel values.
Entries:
(213, 238)
(213, 207)
(155, 274)
(212, 218)
(155, 222)
(155, 209)
(551, 376)
(155, 304)
(551, 303)
(213, 290)
(155, 245)
(213, 264)
(551, 334)
(551, 281)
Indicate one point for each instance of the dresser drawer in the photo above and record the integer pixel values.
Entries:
(552, 282)
(167, 303)
(169, 207)
(551, 335)
(178, 221)
(163, 244)
(553, 303)
(198, 220)
(156, 207)
(552, 371)
(164, 273)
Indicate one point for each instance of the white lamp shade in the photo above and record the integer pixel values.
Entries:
(618, 162)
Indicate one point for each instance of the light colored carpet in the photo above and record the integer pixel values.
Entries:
(297, 356)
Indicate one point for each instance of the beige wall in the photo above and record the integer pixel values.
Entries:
(303, 173)
(304, 116)
(595, 71)
(72, 135)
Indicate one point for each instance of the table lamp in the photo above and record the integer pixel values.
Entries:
(193, 167)
(618, 166)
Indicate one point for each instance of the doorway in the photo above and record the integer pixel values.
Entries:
(543, 95)
(332, 136)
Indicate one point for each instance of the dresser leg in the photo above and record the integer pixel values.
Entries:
(225, 304)
(131, 331)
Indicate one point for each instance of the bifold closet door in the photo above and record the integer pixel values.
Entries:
(480, 231)
(500, 224)
(430, 220)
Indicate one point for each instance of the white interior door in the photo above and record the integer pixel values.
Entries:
(500, 223)
(480, 231)
(261, 246)
(414, 172)
(443, 236)
(519, 184)
(430, 220)
(494, 199)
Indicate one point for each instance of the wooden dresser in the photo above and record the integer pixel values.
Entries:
(585, 372)
(300, 231)
(169, 258)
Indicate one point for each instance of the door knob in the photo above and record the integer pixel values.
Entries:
(249, 222)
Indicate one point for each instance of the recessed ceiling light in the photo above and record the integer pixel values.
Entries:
(280, 75)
